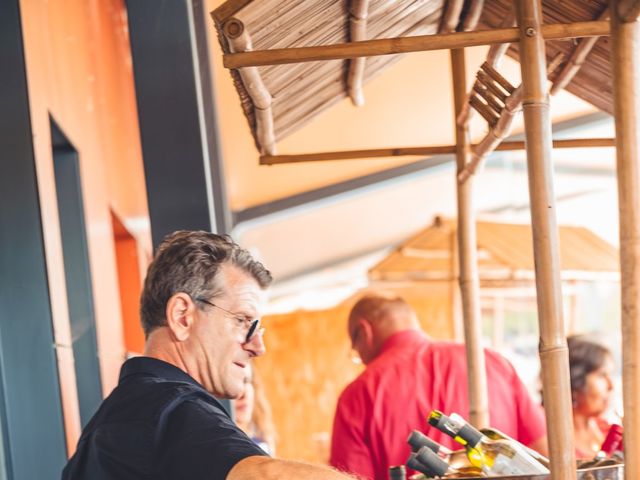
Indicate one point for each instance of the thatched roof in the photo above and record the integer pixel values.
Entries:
(505, 253)
(301, 91)
(293, 94)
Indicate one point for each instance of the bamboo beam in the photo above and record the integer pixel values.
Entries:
(576, 60)
(358, 28)
(240, 41)
(553, 345)
(625, 53)
(422, 151)
(420, 43)
(628, 10)
(469, 279)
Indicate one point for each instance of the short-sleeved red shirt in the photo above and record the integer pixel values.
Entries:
(410, 377)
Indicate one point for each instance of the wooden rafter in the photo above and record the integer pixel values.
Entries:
(576, 60)
(419, 43)
(358, 28)
(240, 41)
(451, 16)
(422, 151)
(473, 15)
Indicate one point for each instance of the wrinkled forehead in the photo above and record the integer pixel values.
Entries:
(241, 289)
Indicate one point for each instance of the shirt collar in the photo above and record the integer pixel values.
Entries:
(156, 368)
(403, 339)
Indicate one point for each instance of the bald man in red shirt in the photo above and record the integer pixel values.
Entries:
(407, 376)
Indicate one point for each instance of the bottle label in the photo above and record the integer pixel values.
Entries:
(518, 464)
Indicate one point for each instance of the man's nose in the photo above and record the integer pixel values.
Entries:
(256, 346)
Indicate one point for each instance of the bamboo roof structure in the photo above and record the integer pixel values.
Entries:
(505, 255)
(277, 100)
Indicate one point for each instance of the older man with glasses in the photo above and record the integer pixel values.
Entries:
(200, 311)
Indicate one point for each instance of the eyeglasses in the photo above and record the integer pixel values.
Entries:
(254, 325)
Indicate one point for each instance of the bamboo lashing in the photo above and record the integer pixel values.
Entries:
(496, 52)
(502, 128)
(358, 28)
(422, 151)
(576, 60)
(625, 56)
(240, 41)
(468, 277)
(451, 16)
(473, 15)
(554, 356)
(628, 10)
(419, 43)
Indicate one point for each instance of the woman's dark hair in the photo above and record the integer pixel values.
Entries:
(585, 356)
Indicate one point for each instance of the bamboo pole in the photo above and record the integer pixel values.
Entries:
(553, 344)
(625, 51)
(358, 29)
(420, 43)
(240, 41)
(422, 151)
(576, 60)
(468, 259)
(628, 10)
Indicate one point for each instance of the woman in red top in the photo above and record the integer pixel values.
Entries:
(591, 367)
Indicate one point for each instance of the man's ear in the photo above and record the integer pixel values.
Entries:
(180, 313)
(367, 331)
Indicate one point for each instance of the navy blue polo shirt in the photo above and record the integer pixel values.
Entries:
(158, 423)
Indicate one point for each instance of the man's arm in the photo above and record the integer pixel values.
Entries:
(266, 468)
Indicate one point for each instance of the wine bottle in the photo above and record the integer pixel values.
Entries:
(430, 464)
(494, 457)
(495, 434)
(612, 443)
(418, 440)
(457, 459)
(397, 472)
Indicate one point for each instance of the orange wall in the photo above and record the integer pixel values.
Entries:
(79, 71)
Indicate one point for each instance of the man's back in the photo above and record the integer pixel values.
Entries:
(410, 377)
(158, 423)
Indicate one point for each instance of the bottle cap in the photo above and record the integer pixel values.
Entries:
(442, 422)
(418, 439)
(433, 463)
(397, 472)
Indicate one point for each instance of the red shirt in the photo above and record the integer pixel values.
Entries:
(411, 376)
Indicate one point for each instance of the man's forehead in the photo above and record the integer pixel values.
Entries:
(241, 286)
